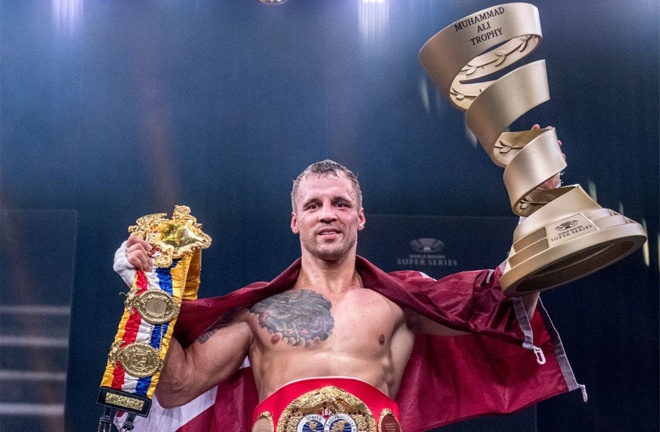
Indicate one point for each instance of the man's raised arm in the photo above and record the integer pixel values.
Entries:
(213, 357)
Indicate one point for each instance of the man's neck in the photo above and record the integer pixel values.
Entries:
(331, 276)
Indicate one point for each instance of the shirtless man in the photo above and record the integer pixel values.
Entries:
(326, 325)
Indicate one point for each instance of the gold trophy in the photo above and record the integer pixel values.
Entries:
(564, 235)
(151, 309)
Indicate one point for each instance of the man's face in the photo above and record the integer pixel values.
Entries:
(327, 216)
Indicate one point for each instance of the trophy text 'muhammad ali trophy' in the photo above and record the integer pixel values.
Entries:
(151, 309)
(565, 234)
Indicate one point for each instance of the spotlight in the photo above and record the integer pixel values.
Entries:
(273, 2)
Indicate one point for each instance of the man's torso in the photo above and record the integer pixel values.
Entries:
(301, 333)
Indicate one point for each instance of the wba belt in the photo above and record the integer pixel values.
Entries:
(327, 404)
(151, 308)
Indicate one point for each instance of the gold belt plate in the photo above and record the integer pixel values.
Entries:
(154, 306)
(138, 359)
(329, 409)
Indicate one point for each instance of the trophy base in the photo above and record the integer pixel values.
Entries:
(567, 249)
(569, 263)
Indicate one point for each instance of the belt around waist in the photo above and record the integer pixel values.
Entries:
(332, 404)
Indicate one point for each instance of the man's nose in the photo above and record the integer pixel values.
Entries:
(327, 213)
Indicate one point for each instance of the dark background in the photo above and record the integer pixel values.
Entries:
(112, 109)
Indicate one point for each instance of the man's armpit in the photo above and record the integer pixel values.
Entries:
(413, 320)
(420, 324)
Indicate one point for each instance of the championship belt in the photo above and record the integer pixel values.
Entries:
(151, 309)
(327, 404)
(565, 235)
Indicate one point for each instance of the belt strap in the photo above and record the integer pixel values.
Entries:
(151, 309)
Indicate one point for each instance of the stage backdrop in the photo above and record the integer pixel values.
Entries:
(110, 110)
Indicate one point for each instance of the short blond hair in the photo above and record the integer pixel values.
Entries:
(325, 168)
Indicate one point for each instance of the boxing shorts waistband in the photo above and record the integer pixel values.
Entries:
(327, 404)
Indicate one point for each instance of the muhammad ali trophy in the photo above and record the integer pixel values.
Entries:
(151, 309)
(564, 234)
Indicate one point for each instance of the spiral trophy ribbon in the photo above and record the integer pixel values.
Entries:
(151, 309)
(564, 235)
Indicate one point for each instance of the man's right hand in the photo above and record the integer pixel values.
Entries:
(132, 255)
(138, 253)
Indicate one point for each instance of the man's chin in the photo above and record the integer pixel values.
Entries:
(332, 255)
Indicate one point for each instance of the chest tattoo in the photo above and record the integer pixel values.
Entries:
(300, 316)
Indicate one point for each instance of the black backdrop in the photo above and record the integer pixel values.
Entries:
(116, 109)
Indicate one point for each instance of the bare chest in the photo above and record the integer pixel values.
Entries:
(359, 322)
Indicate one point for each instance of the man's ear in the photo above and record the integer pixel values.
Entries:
(362, 220)
(294, 223)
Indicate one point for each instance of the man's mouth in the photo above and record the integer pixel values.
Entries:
(328, 232)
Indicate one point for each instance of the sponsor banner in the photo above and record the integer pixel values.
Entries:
(436, 245)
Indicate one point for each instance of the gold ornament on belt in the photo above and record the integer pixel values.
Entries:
(565, 234)
(174, 237)
(348, 412)
(138, 359)
(155, 307)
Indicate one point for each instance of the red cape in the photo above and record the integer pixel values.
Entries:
(447, 379)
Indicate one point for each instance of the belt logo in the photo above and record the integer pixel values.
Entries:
(154, 306)
(335, 423)
(138, 359)
(325, 410)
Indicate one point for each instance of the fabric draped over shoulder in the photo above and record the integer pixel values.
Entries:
(447, 379)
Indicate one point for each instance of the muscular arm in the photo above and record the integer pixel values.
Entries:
(212, 358)
(423, 325)
(530, 301)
